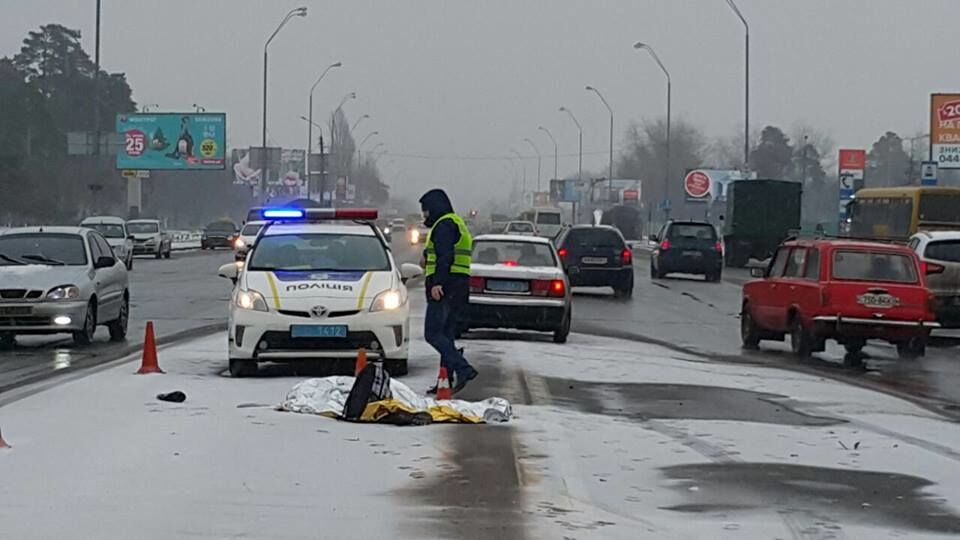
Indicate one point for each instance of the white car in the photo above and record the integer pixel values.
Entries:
(940, 253)
(319, 284)
(56, 280)
(246, 238)
(521, 228)
(114, 229)
(149, 238)
(518, 282)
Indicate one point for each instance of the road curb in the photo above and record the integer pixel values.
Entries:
(40, 383)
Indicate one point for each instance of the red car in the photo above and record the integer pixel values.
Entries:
(849, 291)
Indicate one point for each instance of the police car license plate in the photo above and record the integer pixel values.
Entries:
(594, 260)
(318, 331)
(506, 285)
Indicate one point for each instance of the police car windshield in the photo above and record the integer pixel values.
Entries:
(314, 251)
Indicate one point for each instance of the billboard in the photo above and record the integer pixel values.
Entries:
(172, 141)
(706, 185)
(945, 130)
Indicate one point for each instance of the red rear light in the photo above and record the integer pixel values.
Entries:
(929, 268)
(563, 253)
(509, 263)
(665, 245)
(627, 256)
(547, 287)
(718, 247)
(477, 284)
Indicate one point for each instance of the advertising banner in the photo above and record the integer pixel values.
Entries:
(172, 141)
(945, 130)
(706, 185)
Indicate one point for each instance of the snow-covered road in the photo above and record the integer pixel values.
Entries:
(612, 439)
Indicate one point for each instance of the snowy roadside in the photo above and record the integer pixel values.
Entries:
(613, 440)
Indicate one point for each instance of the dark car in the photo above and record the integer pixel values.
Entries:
(596, 256)
(219, 234)
(687, 247)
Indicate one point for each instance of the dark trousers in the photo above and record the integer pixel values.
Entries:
(440, 330)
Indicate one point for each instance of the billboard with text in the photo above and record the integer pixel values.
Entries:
(172, 141)
(945, 130)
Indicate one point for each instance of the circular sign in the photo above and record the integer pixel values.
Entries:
(135, 142)
(696, 184)
(208, 148)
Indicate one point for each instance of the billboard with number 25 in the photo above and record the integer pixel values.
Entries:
(171, 141)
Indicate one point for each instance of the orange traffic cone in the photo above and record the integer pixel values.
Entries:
(3, 443)
(443, 385)
(361, 360)
(148, 363)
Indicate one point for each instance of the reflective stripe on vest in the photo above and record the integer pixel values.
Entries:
(462, 250)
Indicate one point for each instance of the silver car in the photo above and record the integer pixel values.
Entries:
(149, 238)
(940, 253)
(57, 280)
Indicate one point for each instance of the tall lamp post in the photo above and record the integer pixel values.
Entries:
(746, 84)
(310, 123)
(523, 189)
(357, 123)
(333, 120)
(556, 152)
(579, 153)
(539, 160)
(607, 105)
(666, 169)
(359, 146)
(298, 12)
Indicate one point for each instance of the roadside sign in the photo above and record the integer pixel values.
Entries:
(945, 130)
(172, 141)
(129, 173)
(631, 196)
(665, 204)
(928, 173)
(851, 165)
(697, 185)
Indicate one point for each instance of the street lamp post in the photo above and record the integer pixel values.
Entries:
(610, 168)
(556, 152)
(359, 146)
(746, 84)
(310, 125)
(298, 12)
(357, 123)
(539, 160)
(580, 158)
(666, 168)
(333, 121)
(523, 189)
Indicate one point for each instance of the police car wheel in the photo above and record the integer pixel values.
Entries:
(396, 367)
(242, 368)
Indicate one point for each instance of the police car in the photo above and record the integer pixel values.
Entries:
(318, 284)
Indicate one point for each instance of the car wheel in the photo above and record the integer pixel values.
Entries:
(561, 333)
(242, 368)
(801, 343)
(749, 331)
(85, 335)
(623, 292)
(912, 349)
(396, 367)
(7, 340)
(118, 327)
(714, 277)
(167, 254)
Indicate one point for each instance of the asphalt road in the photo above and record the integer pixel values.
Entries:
(692, 315)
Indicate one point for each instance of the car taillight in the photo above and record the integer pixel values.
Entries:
(563, 254)
(509, 263)
(718, 247)
(665, 245)
(627, 256)
(477, 284)
(928, 268)
(548, 287)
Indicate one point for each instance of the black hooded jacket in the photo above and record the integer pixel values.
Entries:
(445, 237)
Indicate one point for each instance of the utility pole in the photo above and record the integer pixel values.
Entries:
(96, 88)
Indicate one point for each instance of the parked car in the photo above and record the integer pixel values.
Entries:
(687, 247)
(150, 238)
(57, 280)
(940, 252)
(219, 234)
(596, 256)
(521, 228)
(518, 282)
(114, 229)
(848, 291)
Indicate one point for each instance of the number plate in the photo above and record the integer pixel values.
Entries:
(692, 254)
(15, 311)
(594, 260)
(318, 331)
(878, 300)
(505, 285)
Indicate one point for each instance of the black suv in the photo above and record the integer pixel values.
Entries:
(219, 234)
(596, 256)
(687, 247)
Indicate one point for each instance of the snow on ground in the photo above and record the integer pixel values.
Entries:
(621, 440)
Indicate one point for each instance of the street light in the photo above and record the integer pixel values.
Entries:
(198, 108)
(355, 124)
(359, 146)
(539, 157)
(333, 121)
(298, 12)
(580, 130)
(556, 152)
(666, 169)
(746, 85)
(310, 123)
(523, 165)
(607, 105)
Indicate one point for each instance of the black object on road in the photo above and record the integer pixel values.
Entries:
(173, 397)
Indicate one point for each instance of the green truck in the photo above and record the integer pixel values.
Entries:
(759, 215)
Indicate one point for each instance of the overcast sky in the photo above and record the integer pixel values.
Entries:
(469, 78)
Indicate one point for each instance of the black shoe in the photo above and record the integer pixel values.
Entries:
(432, 391)
(460, 379)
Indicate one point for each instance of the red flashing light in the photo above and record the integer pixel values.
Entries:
(665, 245)
(627, 256)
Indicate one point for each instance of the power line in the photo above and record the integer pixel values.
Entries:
(461, 157)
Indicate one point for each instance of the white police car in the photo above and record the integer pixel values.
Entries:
(318, 284)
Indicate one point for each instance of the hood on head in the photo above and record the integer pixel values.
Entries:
(436, 203)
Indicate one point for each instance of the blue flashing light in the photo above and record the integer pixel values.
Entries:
(283, 213)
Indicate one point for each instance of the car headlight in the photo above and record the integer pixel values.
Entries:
(388, 300)
(64, 292)
(251, 300)
(239, 243)
(414, 236)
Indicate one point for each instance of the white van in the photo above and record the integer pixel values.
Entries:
(548, 220)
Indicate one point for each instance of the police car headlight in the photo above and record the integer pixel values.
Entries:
(388, 300)
(251, 300)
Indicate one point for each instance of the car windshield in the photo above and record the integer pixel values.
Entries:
(548, 218)
(333, 252)
(520, 227)
(251, 229)
(944, 250)
(513, 253)
(141, 228)
(874, 266)
(221, 226)
(692, 231)
(109, 230)
(603, 238)
(42, 248)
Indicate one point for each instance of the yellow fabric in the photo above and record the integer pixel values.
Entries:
(462, 250)
(440, 413)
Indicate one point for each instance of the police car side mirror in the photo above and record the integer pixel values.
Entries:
(229, 271)
(410, 271)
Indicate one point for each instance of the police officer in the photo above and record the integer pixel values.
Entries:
(447, 255)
